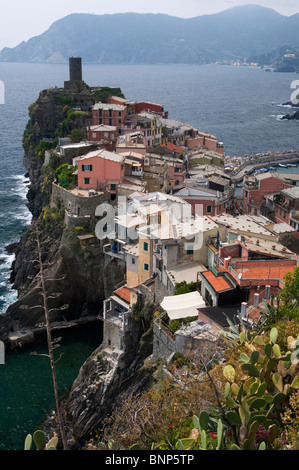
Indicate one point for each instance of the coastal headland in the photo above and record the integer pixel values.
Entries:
(76, 162)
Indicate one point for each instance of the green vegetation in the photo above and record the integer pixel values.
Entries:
(283, 59)
(53, 217)
(71, 123)
(249, 401)
(39, 439)
(65, 176)
(42, 134)
(184, 288)
(77, 135)
(104, 93)
(45, 145)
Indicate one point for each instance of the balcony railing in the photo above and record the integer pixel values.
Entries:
(113, 252)
(137, 172)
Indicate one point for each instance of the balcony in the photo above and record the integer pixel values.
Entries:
(137, 171)
(114, 251)
(251, 185)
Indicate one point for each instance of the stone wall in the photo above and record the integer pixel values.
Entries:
(163, 344)
(76, 205)
(113, 336)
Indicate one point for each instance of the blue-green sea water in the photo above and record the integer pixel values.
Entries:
(241, 106)
(26, 386)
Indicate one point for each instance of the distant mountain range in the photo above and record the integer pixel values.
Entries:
(132, 38)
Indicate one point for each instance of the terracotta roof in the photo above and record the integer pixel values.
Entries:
(124, 294)
(267, 272)
(218, 283)
(173, 147)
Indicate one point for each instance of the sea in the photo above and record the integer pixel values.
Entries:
(241, 106)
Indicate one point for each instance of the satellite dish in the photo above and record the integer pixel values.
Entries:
(240, 276)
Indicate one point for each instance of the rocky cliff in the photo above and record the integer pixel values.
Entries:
(81, 280)
(109, 376)
(78, 279)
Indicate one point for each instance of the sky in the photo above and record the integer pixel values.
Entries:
(21, 20)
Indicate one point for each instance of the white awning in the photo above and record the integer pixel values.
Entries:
(183, 306)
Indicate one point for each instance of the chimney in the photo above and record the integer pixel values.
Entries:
(267, 292)
(256, 300)
(226, 262)
(243, 309)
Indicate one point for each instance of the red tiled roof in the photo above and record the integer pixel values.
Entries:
(218, 283)
(124, 294)
(267, 272)
(173, 147)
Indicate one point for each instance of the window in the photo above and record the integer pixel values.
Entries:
(145, 246)
(209, 209)
(86, 167)
(190, 250)
(146, 267)
(133, 261)
(86, 180)
(113, 187)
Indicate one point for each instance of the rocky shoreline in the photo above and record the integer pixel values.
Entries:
(79, 281)
(290, 117)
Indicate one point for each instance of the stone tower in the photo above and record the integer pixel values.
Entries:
(75, 70)
(75, 66)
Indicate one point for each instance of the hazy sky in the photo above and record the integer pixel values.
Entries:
(22, 19)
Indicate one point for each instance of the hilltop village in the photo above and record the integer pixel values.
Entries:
(158, 198)
(149, 229)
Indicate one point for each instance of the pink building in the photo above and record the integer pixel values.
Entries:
(256, 188)
(102, 133)
(150, 107)
(109, 114)
(100, 170)
(207, 141)
(134, 142)
(285, 207)
(206, 201)
(176, 174)
(130, 105)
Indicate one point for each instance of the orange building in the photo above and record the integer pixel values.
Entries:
(100, 170)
